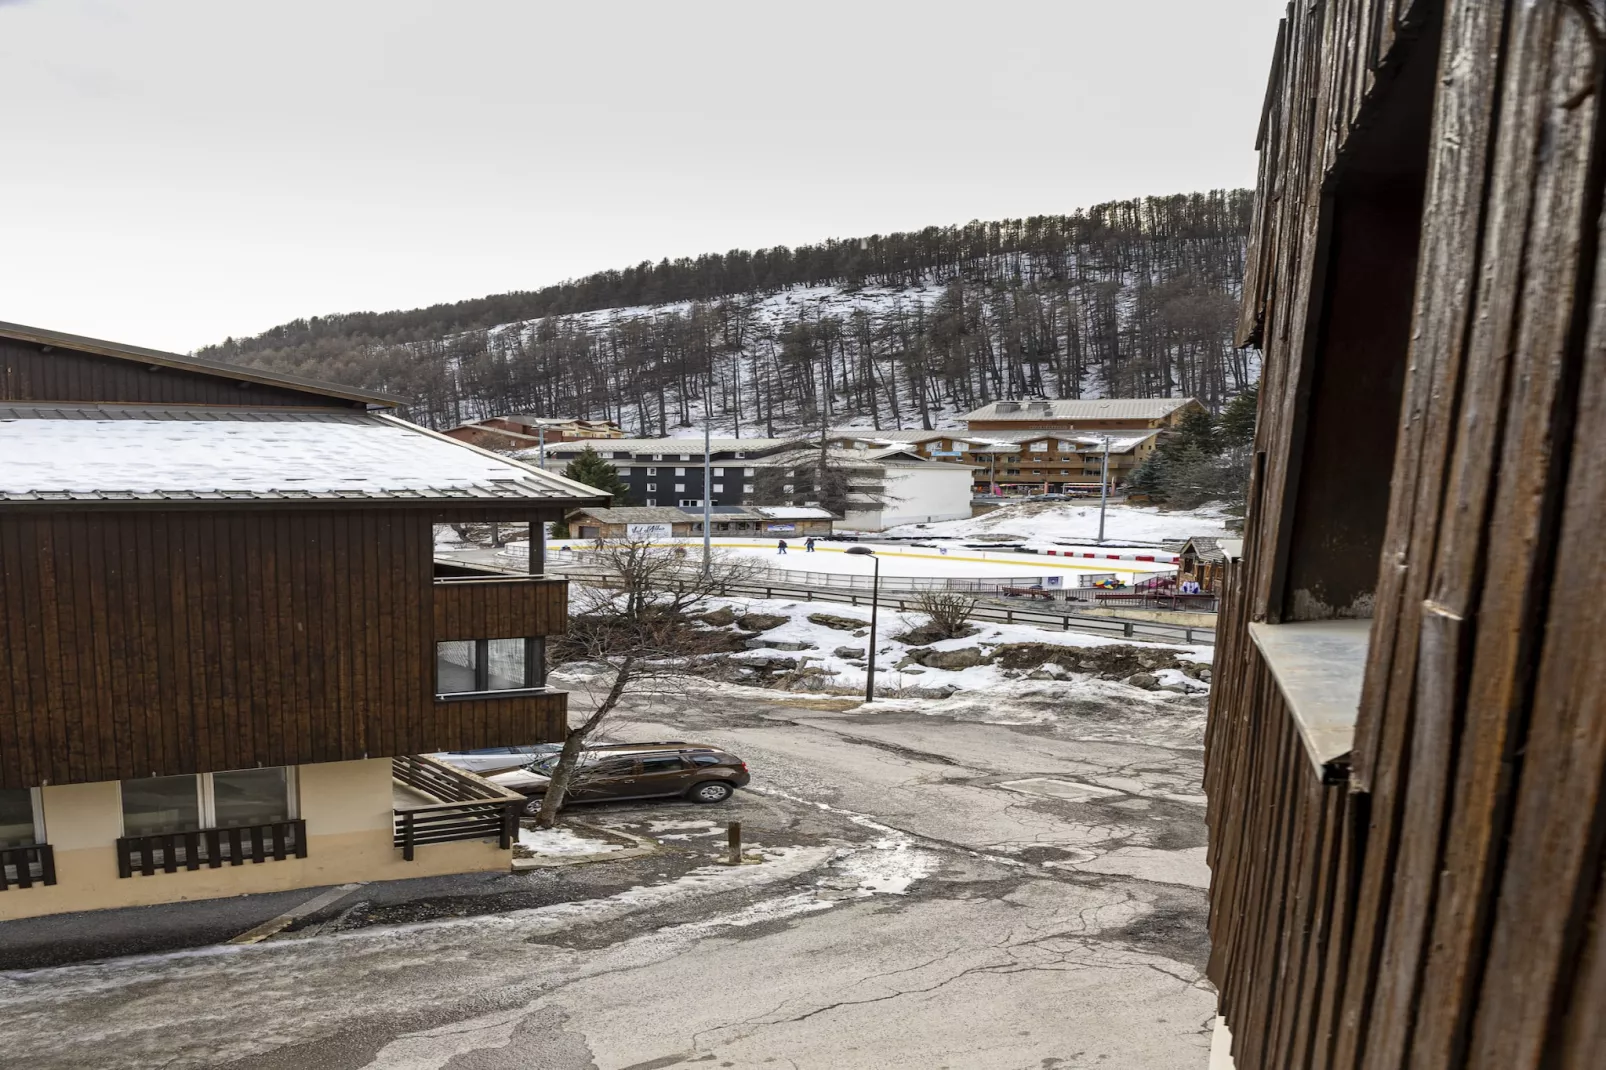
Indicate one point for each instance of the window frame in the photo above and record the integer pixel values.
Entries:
(206, 802)
(534, 669)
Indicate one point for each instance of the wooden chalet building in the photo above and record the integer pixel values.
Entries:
(1090, 414)
(531, 432)
(225, 642)
(1406, 753)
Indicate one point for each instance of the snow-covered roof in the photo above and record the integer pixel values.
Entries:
(1088, 409)
(860, 434)
(692, 447)
(787, 512)
(639, 514)
(163, 453)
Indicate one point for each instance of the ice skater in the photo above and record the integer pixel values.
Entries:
(808, 545)
(780, 547)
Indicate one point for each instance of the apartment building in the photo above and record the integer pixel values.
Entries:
(226, 642)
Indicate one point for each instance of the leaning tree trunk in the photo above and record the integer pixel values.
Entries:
(573, 743)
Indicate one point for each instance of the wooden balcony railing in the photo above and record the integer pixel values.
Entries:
(500, 606)
(470, 808)
(27, 866)
(170, 851)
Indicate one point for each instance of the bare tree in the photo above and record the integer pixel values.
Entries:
(635, 614)
(948, 611)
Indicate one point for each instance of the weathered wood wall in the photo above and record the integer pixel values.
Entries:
(28, 373)
(1446, 907)
(139, 643)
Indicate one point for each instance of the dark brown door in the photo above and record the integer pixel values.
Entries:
(663, 774)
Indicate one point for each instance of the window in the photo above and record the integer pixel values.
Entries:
(748, 471)
(161, 804)
(473, 666)
(652, 471)
(657, 456)
(651, 487)
(742, 453)
(704, 759)
(17, 825)
(788, 488)
(249, 797)
(719, 488)
(1039, 447)
(671, 764)
(719, 471)
(618, 456)
(652, 501)
(239, 798)
(747, 488)
(680, 486)
(685, 456)
(686, 502)
(1066, 447)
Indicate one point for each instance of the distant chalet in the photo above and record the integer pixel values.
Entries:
(1093, 414)
(227, 644)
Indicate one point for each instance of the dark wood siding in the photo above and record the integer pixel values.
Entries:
(1446, 907)
(27, 373)
(500, 609)
(149, 643)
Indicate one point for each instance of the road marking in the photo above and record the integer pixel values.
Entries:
(277, 925)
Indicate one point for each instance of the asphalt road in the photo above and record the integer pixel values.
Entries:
(936, 893)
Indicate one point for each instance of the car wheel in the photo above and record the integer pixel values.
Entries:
(532, 805)
(710, 791)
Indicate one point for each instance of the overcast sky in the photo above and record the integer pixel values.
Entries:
(177, 171)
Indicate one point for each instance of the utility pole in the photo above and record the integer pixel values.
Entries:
(541, 431)
(1104, 488)
(875, 603)
(708, 485)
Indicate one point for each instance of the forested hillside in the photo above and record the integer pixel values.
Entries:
(1130, 298)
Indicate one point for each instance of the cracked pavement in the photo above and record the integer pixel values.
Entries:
(940, 893)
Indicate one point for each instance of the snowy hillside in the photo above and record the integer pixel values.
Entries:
(1129, 299)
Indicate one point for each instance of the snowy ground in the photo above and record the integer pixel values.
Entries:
(562, 841)
(901, 559)
(1057, 523)
(1009, 879)
(821, 644)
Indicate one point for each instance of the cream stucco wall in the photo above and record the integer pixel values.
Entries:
(347, 807)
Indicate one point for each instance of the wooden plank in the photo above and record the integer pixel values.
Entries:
(1520, 493)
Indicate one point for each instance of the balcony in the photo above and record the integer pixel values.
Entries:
(27, 866)
(435, 803)
(170, 851)
(480, 604)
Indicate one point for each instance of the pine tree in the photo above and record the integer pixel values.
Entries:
(589, 468)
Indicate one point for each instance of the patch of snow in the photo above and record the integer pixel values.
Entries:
(889, 867)
(562, 841)
(1055, 524)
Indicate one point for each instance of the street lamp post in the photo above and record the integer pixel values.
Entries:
(1104, 488)
(708, 488)
(875, 599)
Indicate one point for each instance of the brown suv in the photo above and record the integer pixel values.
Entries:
(695, 771)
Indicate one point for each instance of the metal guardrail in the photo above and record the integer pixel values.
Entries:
(1109, 627)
